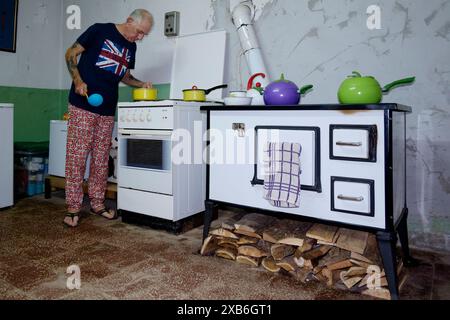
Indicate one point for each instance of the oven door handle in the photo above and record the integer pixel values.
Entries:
(146, 134)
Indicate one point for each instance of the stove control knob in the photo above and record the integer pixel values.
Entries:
(122, 117)
(142, 117)
(129, 116)
(136, 117)
(149, 117)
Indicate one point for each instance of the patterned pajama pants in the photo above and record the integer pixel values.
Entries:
(87, 133)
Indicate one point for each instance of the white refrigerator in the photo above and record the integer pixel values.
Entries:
(6, 155)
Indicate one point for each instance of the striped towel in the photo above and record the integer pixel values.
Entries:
(282, 180)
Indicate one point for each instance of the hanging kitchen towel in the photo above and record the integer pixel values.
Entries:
(282, 180)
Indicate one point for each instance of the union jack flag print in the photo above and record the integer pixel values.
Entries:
(114, 58)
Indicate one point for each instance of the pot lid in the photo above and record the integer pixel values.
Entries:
(199, 60)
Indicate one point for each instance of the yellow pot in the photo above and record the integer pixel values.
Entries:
(145, 94)
(196, 94)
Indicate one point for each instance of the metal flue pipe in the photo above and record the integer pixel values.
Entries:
(243, 13)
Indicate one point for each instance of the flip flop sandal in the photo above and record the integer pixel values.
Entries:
(101, 213)
(72, 216)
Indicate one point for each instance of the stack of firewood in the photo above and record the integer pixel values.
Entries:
(342, 258)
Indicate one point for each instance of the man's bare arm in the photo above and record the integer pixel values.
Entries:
(132, 81)
(72, 65)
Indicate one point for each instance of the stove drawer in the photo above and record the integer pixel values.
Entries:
(353, 196)
(353, 142)
(146, 203)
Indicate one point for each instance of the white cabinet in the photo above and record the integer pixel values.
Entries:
(6, 155)
(57, 152)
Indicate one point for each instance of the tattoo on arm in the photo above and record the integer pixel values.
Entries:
(72, 60)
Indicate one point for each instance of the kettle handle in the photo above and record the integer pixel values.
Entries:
(397, 83)
(250, 81)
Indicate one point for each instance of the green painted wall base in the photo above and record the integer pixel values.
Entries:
(34, 108)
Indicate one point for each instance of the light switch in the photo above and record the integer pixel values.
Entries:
(172, 24)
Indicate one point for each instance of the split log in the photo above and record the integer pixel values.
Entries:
(209, 246)
(244, 240)
(253, 224)
(226, 253)
(360, 257)
(349, 282)
(308, 244)
(343, 264)
(352, 240)
(223, 233)
(361, 263)
(332, 242)
(333, 256)
(281, 251)
(269, 264)
(228, 224)
(227, 245)
(311, 258)
(287, 264)
(322, 232)
(254, 262)
(290, 232)
(356, 271)
(228, 242)
(252, 251)
(248, 234)
(316, 252)
(331, 276)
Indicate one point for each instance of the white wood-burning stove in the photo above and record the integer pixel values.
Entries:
(352, 161)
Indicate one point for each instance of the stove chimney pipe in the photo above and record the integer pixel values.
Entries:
(243, 13)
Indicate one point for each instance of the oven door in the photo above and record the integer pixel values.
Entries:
(145, 161)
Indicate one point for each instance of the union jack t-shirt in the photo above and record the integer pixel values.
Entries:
(103, 64)
(114, 58)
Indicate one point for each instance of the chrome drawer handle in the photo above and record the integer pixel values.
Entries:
(357, 199)
(349, 144)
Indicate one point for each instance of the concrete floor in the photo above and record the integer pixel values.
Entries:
(120, 261)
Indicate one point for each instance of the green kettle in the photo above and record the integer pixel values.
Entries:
(357, 89)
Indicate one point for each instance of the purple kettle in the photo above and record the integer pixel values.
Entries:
(284, 92)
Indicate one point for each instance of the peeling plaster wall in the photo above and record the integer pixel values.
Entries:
(39, 38)
(322, 41)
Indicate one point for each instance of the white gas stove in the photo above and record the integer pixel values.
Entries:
(161, 172)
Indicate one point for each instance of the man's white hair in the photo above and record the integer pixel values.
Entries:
(139, 14)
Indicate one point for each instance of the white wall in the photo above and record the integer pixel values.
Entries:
(36, 62)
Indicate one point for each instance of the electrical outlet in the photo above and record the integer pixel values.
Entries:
(172, 24)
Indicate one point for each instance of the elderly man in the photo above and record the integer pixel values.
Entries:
(107, 54)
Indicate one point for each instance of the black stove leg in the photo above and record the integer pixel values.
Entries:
(210, 211)
(402, 230)
(387, 243)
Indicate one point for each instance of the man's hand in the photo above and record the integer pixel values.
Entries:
(81, 88)
(132, 81)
